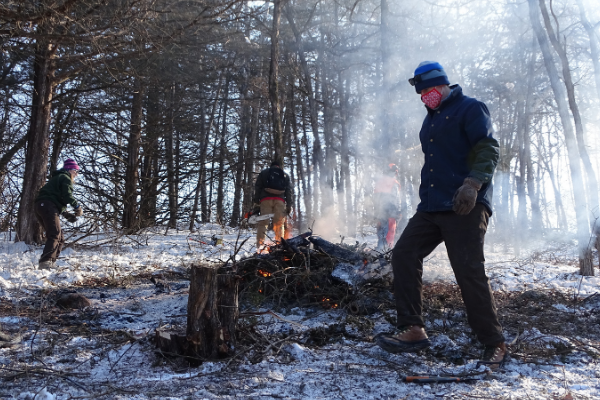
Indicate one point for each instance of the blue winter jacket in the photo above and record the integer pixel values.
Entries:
(457, 142)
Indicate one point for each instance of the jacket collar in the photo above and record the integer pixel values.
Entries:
(61, 171)
(455, 92)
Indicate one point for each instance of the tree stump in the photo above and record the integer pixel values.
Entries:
(212, 314)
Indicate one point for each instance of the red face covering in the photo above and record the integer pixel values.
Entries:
(432, 99)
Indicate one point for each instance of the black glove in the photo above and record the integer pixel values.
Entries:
(78, 211)
(256, 209)
(466, 196)
(70, 217)
(288, 209)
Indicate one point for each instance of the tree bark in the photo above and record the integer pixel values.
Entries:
(532, 191)
(170, 156)
(301, 223)
(150, 169)
(205, 204)
(595, 56)
(202, 143)
(245, 131)
(251, 156)
(560, 48)
(222, 156)
(386, 144)
(594, 44)
(317, 155)
(274, 85)
(583, 232)
(212, 314)
(38, 142)
(133, 155)
(348, 217)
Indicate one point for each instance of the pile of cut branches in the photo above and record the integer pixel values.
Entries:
(284, 279)
(294, 274)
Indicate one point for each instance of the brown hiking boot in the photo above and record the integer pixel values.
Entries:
(494, 356)
(410, 339)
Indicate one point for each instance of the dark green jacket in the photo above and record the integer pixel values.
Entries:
(59, 190)
(261, 193)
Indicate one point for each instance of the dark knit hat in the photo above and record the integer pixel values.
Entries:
(70, 164)
(275, 163)
(429, 74)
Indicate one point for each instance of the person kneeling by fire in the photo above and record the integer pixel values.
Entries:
(273, 194)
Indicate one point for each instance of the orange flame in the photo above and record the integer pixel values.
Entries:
(263, 249)
(264, 273)
(326, 300)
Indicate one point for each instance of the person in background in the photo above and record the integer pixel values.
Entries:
(274, 194)
(456, 193)
(50, 203)
(386, 197)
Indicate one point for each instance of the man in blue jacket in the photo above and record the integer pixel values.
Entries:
(456, 190)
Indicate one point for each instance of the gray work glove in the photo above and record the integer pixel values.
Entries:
(255, 209)
(466, 196)
(288, 209)
(72, 218)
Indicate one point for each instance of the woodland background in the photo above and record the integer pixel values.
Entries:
(171, 108)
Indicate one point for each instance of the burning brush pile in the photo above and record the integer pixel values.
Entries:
(308, 271)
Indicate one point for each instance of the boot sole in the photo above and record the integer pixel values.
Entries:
(393, 345)
(494, 365)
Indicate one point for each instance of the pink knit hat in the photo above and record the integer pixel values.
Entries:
(70, 164)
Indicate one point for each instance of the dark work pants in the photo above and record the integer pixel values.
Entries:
(48, 215)
(464, 236)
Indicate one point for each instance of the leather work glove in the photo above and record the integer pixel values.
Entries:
(255, 209)
(466, 196)
(79, 211)
(69, 217)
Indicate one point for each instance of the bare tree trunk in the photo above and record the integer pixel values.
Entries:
(594, 44)
(202, 143)
(133, 155)
(205, 194)
(522, 220)
(317, 155)
(583, 232)
(349, 218)
(561, 217)
(595, 56)
(212, 313)
(386, 144)
(245, 133)
(330, 164)
(62, 121)
(170, 156)
(299, 164)
(149, 170)
(222, 158)
(309, 197)
(273, 83)
(38, 142)
(251, 155)
(592, 183)
(536, 213)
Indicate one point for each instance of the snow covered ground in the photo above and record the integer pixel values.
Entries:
(52, 362)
